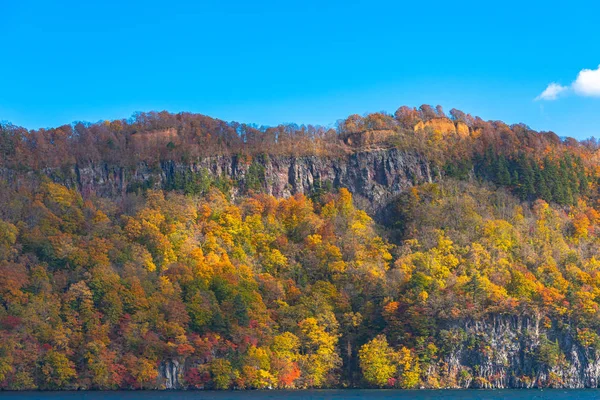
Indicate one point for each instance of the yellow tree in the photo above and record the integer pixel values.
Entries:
(57, 370)
(319, 347)
(408, 368)
(377, 362)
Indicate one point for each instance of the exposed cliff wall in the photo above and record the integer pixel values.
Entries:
(517, 352)
(374, 177)
(171, 375)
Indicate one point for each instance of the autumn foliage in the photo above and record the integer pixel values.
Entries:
(257, 292)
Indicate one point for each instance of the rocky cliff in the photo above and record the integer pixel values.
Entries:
(374, 177)
(170, 375)
(517, 352)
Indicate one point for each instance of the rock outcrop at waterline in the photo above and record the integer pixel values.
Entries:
(171, 374)
(500, 352)
(518, 352)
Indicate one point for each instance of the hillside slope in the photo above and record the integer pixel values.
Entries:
(178, 251)
(376, 156)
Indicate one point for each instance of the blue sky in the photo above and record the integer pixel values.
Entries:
(269, 62)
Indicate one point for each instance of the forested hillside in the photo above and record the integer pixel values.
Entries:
(232, 256)
(191, 148)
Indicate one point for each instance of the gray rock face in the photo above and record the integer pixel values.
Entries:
(373, 177)
(170, 374)
(518, 352)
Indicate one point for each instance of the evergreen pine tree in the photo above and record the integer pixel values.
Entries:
(541, 188)
(502, 172)
(527, 177)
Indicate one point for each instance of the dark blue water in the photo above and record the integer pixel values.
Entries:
(531, 394)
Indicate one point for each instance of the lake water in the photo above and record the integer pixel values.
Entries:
(531, 394)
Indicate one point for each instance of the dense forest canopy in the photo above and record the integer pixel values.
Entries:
(153, 136)
(298, 292)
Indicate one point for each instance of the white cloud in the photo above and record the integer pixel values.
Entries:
(552, 92)
(588, 82)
